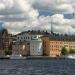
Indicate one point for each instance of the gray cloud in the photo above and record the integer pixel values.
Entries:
(57, 6)
(21, 15)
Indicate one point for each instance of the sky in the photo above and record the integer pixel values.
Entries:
(23, 15)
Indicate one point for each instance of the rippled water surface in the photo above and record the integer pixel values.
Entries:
(37, 67)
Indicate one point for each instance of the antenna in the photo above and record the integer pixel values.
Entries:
(23, 28)
(73, 14)
(51, 27)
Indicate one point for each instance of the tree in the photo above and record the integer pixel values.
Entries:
(8, 52)
(64, 51)
(72, 51)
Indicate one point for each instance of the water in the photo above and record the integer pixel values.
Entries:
(37, 67)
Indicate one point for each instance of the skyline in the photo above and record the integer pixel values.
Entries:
(21, 15)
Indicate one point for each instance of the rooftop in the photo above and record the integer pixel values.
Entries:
(61, 37)
(33, 32)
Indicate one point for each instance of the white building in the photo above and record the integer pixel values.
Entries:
(25, 36)
(34, 40)
(36, 47)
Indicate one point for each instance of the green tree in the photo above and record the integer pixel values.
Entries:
(8, 52)
(72, 51)
(64, 51)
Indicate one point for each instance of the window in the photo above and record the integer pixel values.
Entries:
(28, 43)
(24, 37)
(66, 45)
(60, 42)
(18, 37)
(28, 37)
(21, 37)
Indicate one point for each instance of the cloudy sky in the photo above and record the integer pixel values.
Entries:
(22, 15)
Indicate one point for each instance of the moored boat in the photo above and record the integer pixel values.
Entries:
(70, 56)
(19, 56)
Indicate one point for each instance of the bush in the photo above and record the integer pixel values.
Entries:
(64, 51)
(72, 51)
(8, 52)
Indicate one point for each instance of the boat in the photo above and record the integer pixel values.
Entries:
(70, 56)
(18, 56)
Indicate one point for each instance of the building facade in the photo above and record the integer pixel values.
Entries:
(53, 44)
(36, 47)
(1, 45)
(5, 41)
(27, 36)
(34, 40)
(35, 43)
(22, 48)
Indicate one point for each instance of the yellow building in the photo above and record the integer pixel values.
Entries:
(53, 44)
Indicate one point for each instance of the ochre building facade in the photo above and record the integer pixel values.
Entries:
(53, 44)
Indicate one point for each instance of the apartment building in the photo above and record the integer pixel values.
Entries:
(53, 44)
(5, 41)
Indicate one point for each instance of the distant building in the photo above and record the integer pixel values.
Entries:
(53, 44)
(27, 36)
(34, 40)
(36, 47)
(22, 48)
(5, 41)
(1, 45)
